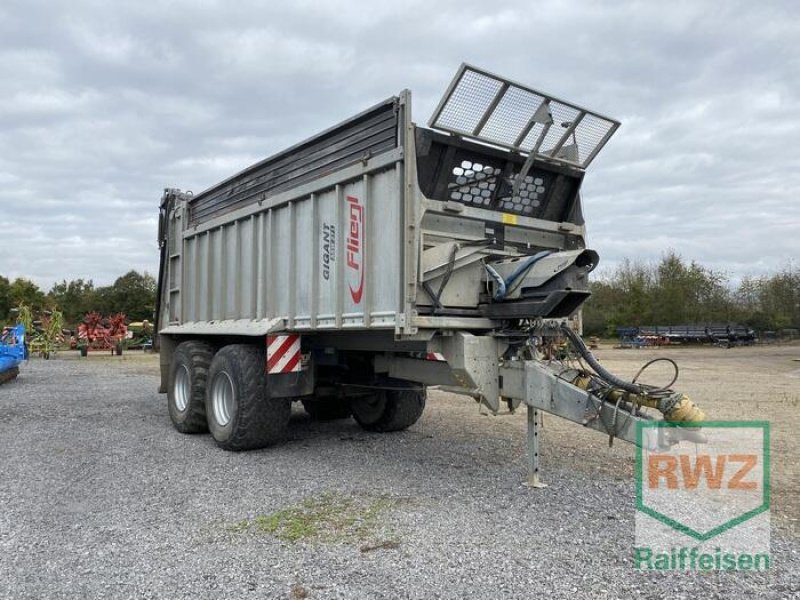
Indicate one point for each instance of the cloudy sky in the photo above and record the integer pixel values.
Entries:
(105, 103)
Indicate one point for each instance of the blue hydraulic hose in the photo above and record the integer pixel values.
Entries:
(503, 285)
(500, 292)
(521, 270)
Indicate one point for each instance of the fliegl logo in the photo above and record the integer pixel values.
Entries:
(703, 506)
(355, 248)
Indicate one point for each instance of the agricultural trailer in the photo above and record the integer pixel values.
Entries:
(377, 258)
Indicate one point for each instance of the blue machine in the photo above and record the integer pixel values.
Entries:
(12, 351)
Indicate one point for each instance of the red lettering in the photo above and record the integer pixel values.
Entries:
(663, 468)
(736, 482)
(662, 465)
(702, 464)
(353, 245)
(351, 260)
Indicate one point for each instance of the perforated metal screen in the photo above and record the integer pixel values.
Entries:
(475, 184)
(491, 109)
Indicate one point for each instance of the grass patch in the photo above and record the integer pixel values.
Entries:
(329, 518)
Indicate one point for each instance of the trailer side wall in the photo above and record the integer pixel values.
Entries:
(327, 259)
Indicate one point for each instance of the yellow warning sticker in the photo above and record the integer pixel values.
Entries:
(509, 219)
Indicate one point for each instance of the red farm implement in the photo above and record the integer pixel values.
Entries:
(98, 333)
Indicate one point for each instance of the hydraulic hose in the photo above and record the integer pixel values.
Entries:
(577, 342)
(526, 266)
(676, 407)
(501, 284)
(505, 286)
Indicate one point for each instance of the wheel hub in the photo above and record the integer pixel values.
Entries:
(181, 389)
(222, 398)
(369, 408)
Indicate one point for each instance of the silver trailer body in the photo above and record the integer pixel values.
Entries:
(396, 253)
(337, 233)
(324, 255)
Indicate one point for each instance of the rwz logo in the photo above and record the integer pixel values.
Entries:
(691, 470)
(707, 490)
(355, 248)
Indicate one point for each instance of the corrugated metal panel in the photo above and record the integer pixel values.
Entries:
(328, 260)
(367, 134)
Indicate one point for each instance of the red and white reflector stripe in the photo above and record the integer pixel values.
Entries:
(437, 356)
(283, 354)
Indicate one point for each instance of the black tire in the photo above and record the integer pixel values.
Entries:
(9, 374)
(327, 408)
(118, 349)
(186, 392)
(240, 414)
(84, 351)
(387, 410)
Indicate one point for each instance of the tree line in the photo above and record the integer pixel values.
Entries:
(133, 294)
(669, 292)
(676, 292)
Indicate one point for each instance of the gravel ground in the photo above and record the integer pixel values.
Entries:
(101, 498)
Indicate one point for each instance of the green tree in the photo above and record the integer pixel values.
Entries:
(690, 293)
(5, 299)
(779, 299)
(24, 291)
(674, 290)
(635, 281)
(133, 294)
(670, 292)
(622, 299)
(770, 302)
(601, 312)
(74, 299)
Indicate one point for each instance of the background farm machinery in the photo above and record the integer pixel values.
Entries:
(717, 335)
(12, 351)
(99, 333)
(140, 336)
(44, 330)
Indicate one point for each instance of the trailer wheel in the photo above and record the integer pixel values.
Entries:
(327, 408)
(186, 393)
(389, 409)
(241, 416)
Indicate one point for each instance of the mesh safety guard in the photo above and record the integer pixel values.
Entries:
(490, 109)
